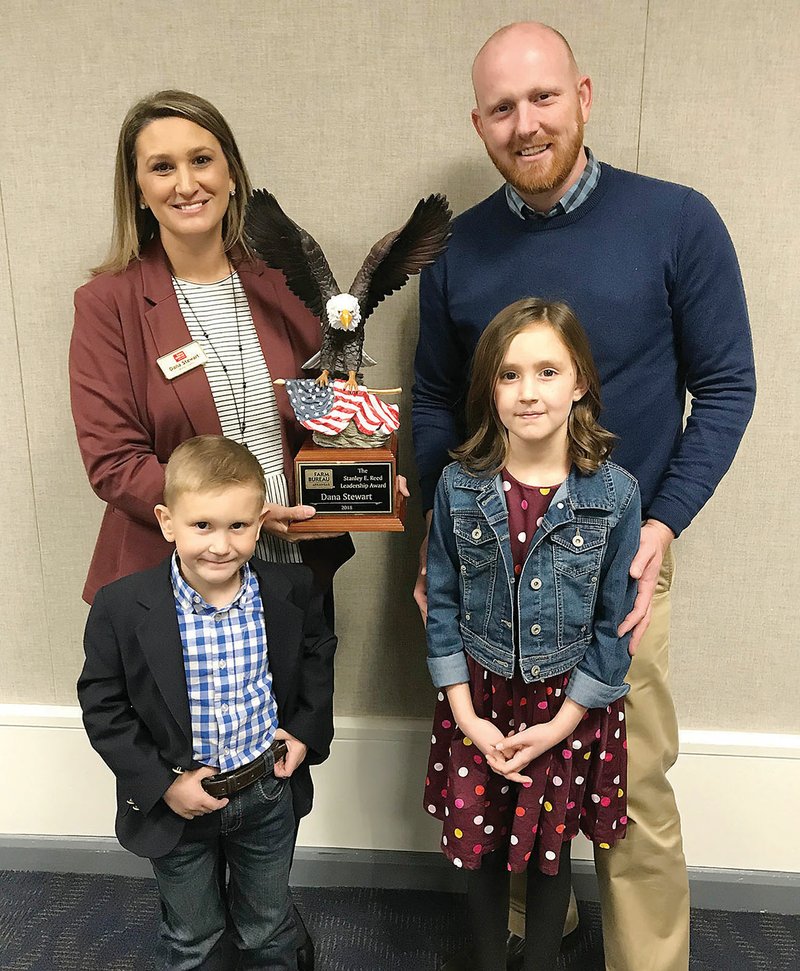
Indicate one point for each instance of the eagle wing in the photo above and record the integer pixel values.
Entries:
(403, 253)
(284, 245)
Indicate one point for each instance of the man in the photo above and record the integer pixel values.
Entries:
(651, 271)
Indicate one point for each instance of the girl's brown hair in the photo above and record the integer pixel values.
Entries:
(134, 227)
(486, 451)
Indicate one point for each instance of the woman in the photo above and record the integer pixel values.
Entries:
(180, 333)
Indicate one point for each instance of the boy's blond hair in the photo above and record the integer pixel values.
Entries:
(208, 463)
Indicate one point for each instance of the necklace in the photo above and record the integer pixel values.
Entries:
(241, 417)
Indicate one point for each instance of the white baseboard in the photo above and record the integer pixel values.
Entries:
(736, 791)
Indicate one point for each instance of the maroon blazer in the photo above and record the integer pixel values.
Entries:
(129, 417)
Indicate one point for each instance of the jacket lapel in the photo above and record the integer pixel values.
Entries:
(169, 332)
(282, 622)
(160, 640)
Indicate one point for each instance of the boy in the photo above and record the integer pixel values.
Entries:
(208, 690)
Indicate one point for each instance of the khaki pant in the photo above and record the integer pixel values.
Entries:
(644, 888)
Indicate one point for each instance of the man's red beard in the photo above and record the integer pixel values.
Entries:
(531, 179)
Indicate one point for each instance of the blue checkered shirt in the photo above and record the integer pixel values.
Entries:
(232, 708)
(575, 196)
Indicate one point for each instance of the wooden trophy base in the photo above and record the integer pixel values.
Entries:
(354, 490)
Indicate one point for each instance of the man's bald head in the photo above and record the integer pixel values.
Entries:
(532, 35)
(531, 107)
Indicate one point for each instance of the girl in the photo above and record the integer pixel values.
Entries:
(531, 542)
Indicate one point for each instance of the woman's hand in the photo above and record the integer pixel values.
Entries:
(278, 519)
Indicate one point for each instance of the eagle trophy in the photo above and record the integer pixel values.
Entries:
(283, 245)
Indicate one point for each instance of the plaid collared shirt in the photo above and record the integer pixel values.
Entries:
(233, 711)
(572, 198)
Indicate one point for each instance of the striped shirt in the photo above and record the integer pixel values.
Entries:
(243, 394)
(233, 711)
(575, 196)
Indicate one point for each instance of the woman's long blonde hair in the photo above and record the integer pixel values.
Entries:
(486, 451)
(134, 227)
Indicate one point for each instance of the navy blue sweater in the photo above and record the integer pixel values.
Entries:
(650, 270)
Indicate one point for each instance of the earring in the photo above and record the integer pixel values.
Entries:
(143, 205)
(233, 191)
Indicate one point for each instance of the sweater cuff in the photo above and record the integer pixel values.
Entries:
(668, 513)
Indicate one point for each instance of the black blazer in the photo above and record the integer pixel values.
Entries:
(135, 705)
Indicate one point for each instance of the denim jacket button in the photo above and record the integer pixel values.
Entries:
(476, 533)
(560, 505)
(536, 629)
(536, 583)
(535, 670)
(577, 540)
(467, 616)
(463, 568)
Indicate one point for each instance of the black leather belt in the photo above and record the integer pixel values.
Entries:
(227, 783)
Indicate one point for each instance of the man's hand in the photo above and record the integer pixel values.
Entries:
(646, 566)
(188, 798)
(297, 751)
(421, 586)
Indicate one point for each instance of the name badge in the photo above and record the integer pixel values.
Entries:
(183, 359)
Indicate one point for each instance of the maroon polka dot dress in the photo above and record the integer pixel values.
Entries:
(578, 784)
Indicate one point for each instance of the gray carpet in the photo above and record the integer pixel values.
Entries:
(71, 922)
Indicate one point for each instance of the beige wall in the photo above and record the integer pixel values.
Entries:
(349, 112)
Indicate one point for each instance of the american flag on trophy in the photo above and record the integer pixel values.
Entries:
(329, 410)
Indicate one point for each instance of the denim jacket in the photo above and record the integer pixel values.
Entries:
(572, 593)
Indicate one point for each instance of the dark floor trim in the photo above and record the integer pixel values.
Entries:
(712, 889)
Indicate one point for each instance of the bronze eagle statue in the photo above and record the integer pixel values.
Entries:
(283, 245)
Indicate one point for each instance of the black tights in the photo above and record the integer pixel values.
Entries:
(546, 906)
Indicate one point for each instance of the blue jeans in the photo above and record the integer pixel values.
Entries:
(256, 833)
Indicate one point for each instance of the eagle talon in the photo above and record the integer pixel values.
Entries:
(351, 384)
(322, 380)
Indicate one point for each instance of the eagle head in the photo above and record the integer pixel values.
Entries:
(343, 312)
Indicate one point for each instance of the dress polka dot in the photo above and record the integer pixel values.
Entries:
(521, 537)
(550, 855)
(438, 766)
(506, 485)
(463, 772)
(524, 504)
